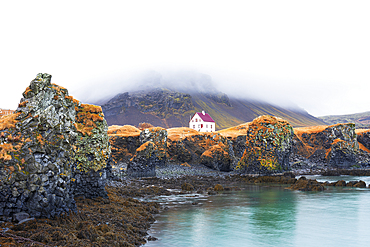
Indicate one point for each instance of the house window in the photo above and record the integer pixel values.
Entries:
(194, 126)
(207, 126)
(198, 125)
(196, 120)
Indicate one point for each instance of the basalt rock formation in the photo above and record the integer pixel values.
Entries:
(144, 161)
(209, 148)
(335, 146)
(268, 146)
(363, 138)
(48, 148)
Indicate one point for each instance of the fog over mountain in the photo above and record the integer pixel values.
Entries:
(186, 81)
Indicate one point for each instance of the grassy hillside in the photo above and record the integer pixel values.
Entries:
(362, 120)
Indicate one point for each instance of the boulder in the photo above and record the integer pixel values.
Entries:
(268, 146)
(304, 184)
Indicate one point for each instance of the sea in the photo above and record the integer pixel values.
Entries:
(267, 216)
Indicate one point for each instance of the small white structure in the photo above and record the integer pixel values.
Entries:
(202, 122)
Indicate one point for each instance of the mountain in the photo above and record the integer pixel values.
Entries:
(362, 120)
(168, 108)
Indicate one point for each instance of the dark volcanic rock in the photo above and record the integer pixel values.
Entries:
(217, 158)
(44, 144)
(268, 146)
(304, 184)
(144, 161)
(363, 137)
(335, 146)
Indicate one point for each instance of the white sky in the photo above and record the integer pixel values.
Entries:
(313, 53)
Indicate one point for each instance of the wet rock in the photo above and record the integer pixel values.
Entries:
(187, 187)
(20, 216)
(340, 183)
(304, 184)
(360, 184)
(218, 187)
(268, 146)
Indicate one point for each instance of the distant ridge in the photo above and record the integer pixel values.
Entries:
(362, 120)
(168, 108)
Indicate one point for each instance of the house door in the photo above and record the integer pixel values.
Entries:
(201, 126)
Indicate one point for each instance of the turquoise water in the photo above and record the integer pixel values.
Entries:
(267, 216)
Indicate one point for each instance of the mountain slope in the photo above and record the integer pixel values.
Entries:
(362, 120)
(167, 108)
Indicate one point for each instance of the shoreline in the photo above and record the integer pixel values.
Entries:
(126, 217)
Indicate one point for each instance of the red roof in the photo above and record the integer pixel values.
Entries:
(206, 117)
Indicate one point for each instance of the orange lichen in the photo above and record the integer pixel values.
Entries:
(56, 97)
(24, 103)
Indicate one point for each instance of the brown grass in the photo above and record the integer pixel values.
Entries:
(126, 130)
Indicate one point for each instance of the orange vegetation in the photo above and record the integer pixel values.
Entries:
(236, 131)
(362, 147)
(174, 134)
(144, 146)
(86, 118)
(143, 126)
(360, 131)
(215, 149)
(126, 130)
(8, 121)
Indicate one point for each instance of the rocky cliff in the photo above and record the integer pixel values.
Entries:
(48, 148)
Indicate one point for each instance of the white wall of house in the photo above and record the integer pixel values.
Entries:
(198, 124)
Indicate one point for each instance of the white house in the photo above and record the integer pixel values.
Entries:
(202, 122)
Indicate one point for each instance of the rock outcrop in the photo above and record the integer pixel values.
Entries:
(144, 161)
(335, 146)
(363, 138)
(209, 148)
(268, 143)
(44, 145)
(92, 151)
(124, 141)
